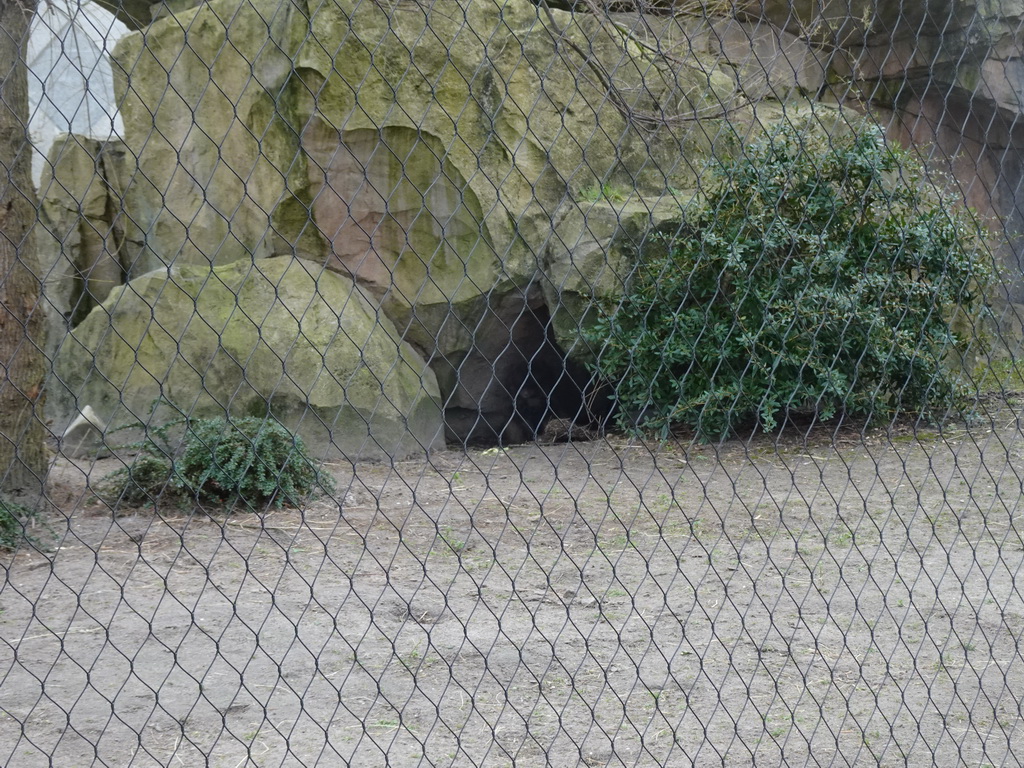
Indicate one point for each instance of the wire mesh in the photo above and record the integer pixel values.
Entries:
(464, 383)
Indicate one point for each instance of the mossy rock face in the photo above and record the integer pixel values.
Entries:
(277, 335)
(426, 155)
(594, 256)
(80, 233)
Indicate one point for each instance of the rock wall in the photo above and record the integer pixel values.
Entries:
(481, 174)
(450, 163)
(82, 229)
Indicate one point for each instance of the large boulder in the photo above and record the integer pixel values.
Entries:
(278, 336)
(485, 172)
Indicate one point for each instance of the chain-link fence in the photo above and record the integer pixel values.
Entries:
(476, 383)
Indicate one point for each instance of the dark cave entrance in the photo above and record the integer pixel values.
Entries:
(515, 380)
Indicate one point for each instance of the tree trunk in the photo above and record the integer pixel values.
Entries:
(23, 459)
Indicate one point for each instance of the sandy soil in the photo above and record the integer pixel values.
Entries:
(836, 600)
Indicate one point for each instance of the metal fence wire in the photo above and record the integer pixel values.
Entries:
(499, 383)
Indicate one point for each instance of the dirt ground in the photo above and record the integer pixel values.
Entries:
(840, 598)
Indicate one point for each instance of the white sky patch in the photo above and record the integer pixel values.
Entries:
(70, 81)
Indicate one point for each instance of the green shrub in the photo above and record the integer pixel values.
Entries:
(147, 478)
(252, 459)
(14, 520)
(150, 476)
(819, 276)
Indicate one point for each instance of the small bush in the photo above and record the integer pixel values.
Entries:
(819, 276)
(252, 459)
(145, 480)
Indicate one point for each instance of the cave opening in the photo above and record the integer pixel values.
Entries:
(530, 382)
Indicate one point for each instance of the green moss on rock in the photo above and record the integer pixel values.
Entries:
(279, 335)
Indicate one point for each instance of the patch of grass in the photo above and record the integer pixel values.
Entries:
(699, 529)
(609, 192)
(1003, 376)
(622, 542)
(478, 563)
(842, 536)
(455, 544)
(410, 659)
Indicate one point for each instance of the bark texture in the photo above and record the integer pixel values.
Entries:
(22, 368)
